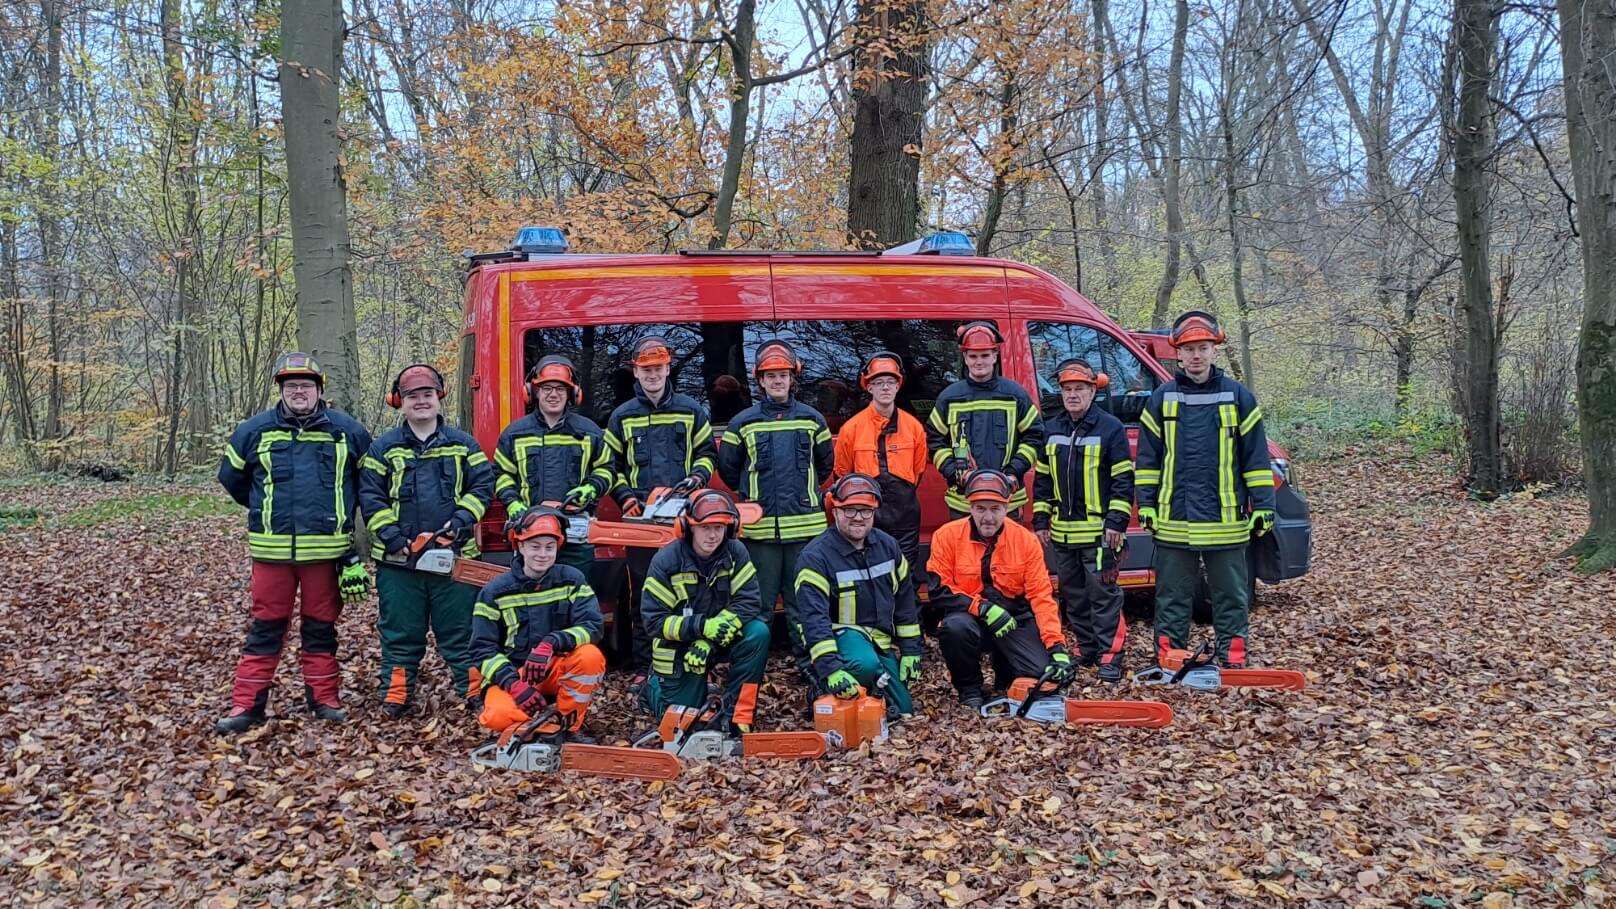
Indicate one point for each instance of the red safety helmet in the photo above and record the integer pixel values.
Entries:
(652, 350)
(555, 368)
(776, 354)
(298, 365)
(537, 522)
(855, 489)
(1074, 369)
(709, 506)
(988, 485)
(1196, 325)
(414, 378)
(979, 335)
(884, 363)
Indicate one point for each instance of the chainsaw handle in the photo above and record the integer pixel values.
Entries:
(1037, 691)
(1200, 657)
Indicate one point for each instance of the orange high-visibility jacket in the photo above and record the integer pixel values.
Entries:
(906, 446)
(1017, 565)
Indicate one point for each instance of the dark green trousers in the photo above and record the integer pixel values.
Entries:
(866, 662)
(413, 602)
(579, 555)
(746, 658)
(1228, 589)
(776, 565)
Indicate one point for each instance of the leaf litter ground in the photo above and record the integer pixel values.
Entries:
(1454, 749)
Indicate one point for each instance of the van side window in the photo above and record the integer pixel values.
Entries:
(713, 361)
(464, 398)
(1131, 380)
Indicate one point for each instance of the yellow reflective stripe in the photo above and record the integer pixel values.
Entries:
(1121, 467)
(1026, 421)
(475, 458)
(484, 610)
(579, 634)
(472, 504)
(1228, 419)
(908, 631)
(1091, 478)
(491, 666)
(847, 606)
(1252, 419)
(662, 658)
(823, 435)
(671, 627)
(937, 421)
(660, 590)
(505, 481)
(941, 455)
(1146, 477)
(342, 471)
(1149, 422)
(446, 451)
(1164, 501)
(1026, 451)
(1042, 507)
(538, 597)
(730, 438)
(810, 576)
(739, 576)
(1042, 468)
(373, 465)
(1119, 505)
(381, 519)
(504, 462)
(820, 649)
(236, 460)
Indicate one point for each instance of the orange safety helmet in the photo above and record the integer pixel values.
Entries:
(414, 378)
(652, 350)
(536, 522)
(855, 489)
(988, 485)
(776, 354)
(884, 363)
(298, 365)
(1075, 369)
(1196, 325)
(555, 368)
(709, 506)
(979, 335)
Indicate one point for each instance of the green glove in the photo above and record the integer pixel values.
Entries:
(578, 498)
(722, 629)
(353, 582)
(1061, 665)
(842, 684)
(998, 620)
(909, 669)
(696, 657)
(1262, 521)
(1147, 519)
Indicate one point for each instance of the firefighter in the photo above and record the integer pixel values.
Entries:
(1082, 500)
(857, 601)
(890, 445)
(422, 477)
(700, 603)
(983, 421)
(1205, 487)
(533, 632)
(777, 453)
(296, 468)
(658, 438)
(987, 572)
(554, 454)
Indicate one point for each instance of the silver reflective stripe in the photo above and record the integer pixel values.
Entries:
(1208, 397)
(862, 574)
(1067, 440)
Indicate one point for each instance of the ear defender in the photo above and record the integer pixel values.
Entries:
(416, 376)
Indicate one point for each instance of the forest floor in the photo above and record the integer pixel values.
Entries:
(1454, 747)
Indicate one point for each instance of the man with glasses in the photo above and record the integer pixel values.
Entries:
(295, 467)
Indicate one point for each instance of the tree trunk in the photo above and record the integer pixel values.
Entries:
(1173, 167)
(889, 108)
(1001, 169)
(180, 206)
(740, 105)
(50, 223)
(312, 33)
(1237, 261)
(1475, 33)
(1100, 154)
(1587, 44)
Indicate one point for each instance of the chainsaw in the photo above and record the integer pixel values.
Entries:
(432, 552)
(662, 508)
(580, 529)
(1040, 700)
(537, 746)
(703, 734)
(1199, 671)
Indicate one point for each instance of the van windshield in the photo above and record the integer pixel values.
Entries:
(713, 361)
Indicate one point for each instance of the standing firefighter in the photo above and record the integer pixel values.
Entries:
(857, 601)
(533, 632)
(295, 467)
(422, 477)
(988, 575)
(700, 604)
(1203, 465)
(777, 453)
(660, 438)
(554, 454)
(1082, 499)
(983, 421)
(890, 445)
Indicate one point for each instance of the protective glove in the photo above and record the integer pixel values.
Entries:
(1107, 562)
(1261, 521)
(722, 629)
(1147, 519)
(352, 581)
(632, 507)
(909, 669)
(687, 486)
(514, 511)
(999, 621)
(578, 498)
(526, 697)
(538, 663)
(1061, 668)
(696, 657)
(398, 548)
(842, 684)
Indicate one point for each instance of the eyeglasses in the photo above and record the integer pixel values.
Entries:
(299, 386)
(859, 514)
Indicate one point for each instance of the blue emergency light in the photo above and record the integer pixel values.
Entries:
(540, 241)
(948, 243)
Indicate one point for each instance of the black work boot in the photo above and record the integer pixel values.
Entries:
(331, 713)
(241, 721)
(395, 711)
(971, 698)
(577, 737)
(1111, 672)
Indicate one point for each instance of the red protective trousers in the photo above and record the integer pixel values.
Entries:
(570, 685)
(275, 587)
